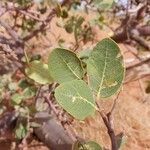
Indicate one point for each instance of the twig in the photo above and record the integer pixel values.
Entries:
(42, 26)
(26, 13)
(114, 104)
(140, 41)
(133, 53)
(11, 32)
(139, 63)
(107, 119)
(4, 40)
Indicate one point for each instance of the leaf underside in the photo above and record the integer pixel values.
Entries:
(39, 72)
(105, 68)
(64, 65)
(76, 98)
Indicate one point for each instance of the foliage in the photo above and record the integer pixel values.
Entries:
(74, 24)
(38, 71)
(76, 98)
(20, 131)
(105, 68)
(64, 65)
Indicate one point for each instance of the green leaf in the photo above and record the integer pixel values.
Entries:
(38, 71)
(35, 57)
(16, 99)
(105, 68)
(64, 65)
(29, 92)
(23, 83)
(90, 145)
(20, 131)
(80, 20)
(120, 139)
(102, 4)
(76, 98)
(68, 28)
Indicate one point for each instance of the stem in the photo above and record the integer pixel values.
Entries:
(107, 119)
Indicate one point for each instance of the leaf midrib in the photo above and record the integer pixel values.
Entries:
(103, 75)
(68, 66)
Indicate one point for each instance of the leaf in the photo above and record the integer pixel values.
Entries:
(29, 92)
(64, 65)
(79, 22)
(120, 139)
(38, 71)
(105, 68)
(102, 4)
(16, 99)
(20, 131)
(76, 98)
(35, 57)
(23, 83)
(90, 145)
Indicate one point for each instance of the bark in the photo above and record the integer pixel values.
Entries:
(120, 34)
(52, 133)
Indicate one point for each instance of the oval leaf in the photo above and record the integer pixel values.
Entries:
(105, 68)
(64, 65)
(76, 98)
(39, 72)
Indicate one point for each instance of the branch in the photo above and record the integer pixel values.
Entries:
(140, 41)
(144, 30)
(138, 70)
(11, 32)
(22, 11)
(16, 41)
(4, 40)
(46, 22)
(42, 26)
(107, 119)
(52, 133)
